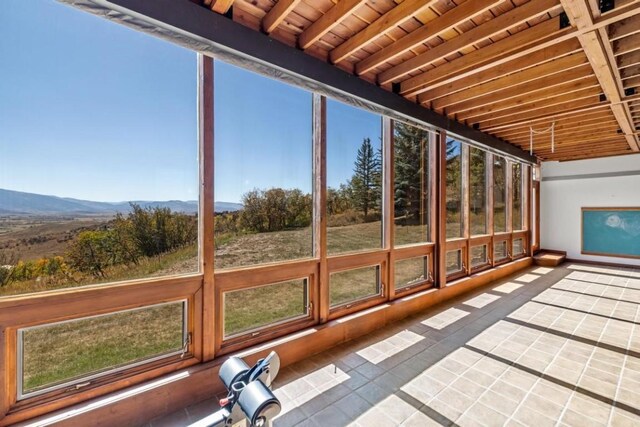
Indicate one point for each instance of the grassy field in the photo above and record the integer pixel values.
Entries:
(62, 352)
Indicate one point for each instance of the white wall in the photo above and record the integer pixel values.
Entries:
(568, 186)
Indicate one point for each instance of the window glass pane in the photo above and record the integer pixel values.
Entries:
(500, 250)
(499, 194)
(455, 221)
(477, 191)
(354, 179)
(479, 255)
(67, 352)
(352, 285)
(263, 169)
(250, 309)
(454, 261)
(411, 184)
(516, 212)
(518, 247)
(98, 151)
(411, 271)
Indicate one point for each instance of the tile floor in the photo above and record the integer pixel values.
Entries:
(547, 347)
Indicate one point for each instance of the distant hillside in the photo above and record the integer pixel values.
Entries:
(19, 203)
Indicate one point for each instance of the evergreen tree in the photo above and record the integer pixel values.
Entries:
(367, 175)
(410, 171)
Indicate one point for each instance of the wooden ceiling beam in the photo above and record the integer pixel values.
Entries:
(513, 80)
(277, 14)
(517, 106)
(467, 10)
(545, 85)
(394, 17)
(539, 140)
(627, 45)
(600, 56)
(567, 126)
(328, 21)
(579, 146)
(624, 28)
(543, 118)
(561, 128)
(519, 45)
(547, 115)
(483, 31)
(221, 6)
(537, 58)
(567, 132)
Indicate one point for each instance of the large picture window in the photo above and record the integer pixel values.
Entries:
(263, 169)
(411, 184)
(98, 143)
(516, 211)
(477, 191)
(499, 194)
(354, 179)
(455, 218)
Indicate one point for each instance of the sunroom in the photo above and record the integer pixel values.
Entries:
(429, 210)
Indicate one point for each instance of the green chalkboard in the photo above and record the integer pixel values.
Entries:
(611, 232)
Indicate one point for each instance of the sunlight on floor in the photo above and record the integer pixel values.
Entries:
(527, 278)
(445, 318)
(381, 350)
(309, 386)
(542, 270)
(481, 300)
(615, 271)
(507, 288)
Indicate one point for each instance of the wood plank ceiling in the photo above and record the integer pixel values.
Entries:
(501, 66)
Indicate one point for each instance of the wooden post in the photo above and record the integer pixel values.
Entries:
(490, 209)
(206, 209)
(441, 207)
(320, 204)
(388, 211)
(465, 208)
(508, 206)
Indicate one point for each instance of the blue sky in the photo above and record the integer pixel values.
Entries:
(263, 135)
(93, 110)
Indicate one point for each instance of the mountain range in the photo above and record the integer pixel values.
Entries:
(20, 203)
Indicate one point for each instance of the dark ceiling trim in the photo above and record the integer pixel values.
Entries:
(252, 49)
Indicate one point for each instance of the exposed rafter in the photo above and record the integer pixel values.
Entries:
(380, 26)
(448, 20)
(276, 15)
(324, 24)
(488, 29)
(599, 53)
(496, 65)
(221, 6)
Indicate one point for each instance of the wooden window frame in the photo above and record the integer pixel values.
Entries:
(497, 239)
(77, 303)
(341, 263)
(255, 277)
(481, 241)
(409, 252)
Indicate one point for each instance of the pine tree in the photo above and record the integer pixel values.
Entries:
(367, 178)
(410, 171)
